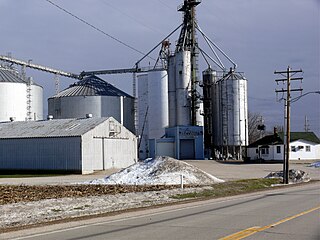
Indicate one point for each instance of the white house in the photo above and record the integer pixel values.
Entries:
(303, 146)
(66, 145)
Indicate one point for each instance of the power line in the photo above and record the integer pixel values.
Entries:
(165, 4)
(96, 28)
(131, 17)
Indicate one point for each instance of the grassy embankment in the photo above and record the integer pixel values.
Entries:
(231, 188)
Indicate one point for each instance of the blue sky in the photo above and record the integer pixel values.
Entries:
(260, 36)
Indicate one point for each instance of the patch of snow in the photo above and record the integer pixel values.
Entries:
(159, 171)
(295, 176)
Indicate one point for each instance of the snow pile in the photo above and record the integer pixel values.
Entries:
(295, 176)
(315, 165)
(159, 171)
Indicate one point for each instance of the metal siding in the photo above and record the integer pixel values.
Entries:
(13, 101)
(75, 107)
(119, 153)
(120, 150)
(41, 154)
(128, 114)
(36, 102)
(110, 107)
(158, 114)
(183, 79)
(98, 106)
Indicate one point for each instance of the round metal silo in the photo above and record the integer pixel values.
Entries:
(18, 99)
(96, 96)
(209, 108)
(158, 111)
(183, 87)
(233, 113)
(36, 97)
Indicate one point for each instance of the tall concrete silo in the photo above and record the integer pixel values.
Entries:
(20, 99)
(92, 95)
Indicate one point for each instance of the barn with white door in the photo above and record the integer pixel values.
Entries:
(66, 145)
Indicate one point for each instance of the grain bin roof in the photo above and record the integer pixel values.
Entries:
(9, 75)
(91, 86)
(50, 128)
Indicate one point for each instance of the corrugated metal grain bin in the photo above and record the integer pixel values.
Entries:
(95, 96)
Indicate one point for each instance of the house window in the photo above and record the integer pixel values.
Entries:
(278, 149)
(265, 151)
(293, 148)
(308, 149)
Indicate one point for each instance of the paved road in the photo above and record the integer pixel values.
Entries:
(291, 213)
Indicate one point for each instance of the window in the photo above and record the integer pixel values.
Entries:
(257, 151)
(308, 149)
(265, 151)
(293, 148)
(278, 149)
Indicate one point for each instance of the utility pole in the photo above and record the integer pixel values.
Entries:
(289, 77)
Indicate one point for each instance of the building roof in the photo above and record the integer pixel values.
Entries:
(91, 86)
(277, 139)
(10, 75)
(307, 136)
(48, 128)
(231, 75)
(273, 139)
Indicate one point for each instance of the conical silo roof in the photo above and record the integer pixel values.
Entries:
(91, 86)
(10, 75)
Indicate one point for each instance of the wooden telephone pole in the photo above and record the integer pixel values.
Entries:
(288, 74)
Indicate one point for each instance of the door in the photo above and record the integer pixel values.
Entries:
(187, 150)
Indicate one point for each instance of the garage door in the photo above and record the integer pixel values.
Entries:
(187, 149)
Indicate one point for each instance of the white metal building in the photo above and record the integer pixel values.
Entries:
(19, 99)
(66, 145)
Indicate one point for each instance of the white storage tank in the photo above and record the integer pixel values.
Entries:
(183, 87)
(19, 100)
(153, 107)
(158, 113)
(95, 96)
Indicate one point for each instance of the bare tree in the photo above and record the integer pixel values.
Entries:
(256, 127)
